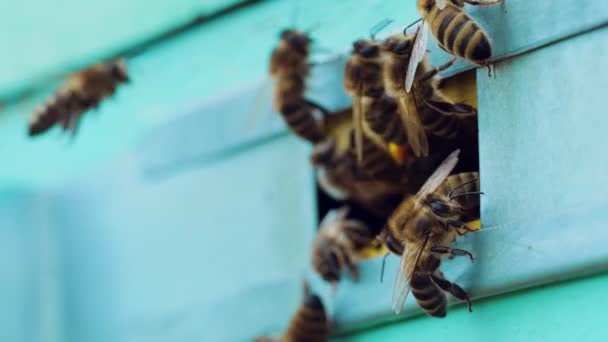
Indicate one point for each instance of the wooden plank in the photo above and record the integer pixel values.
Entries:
(178, 258)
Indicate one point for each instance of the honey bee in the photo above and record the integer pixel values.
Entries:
(455, 31)
(337, 244)
(363, 76)
(378, 188)
(289, 68)
(422, 228)
(426, 108)
(308, 323)
(83, 91)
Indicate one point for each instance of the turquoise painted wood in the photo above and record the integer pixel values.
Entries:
(85, 258)
(179, 258)
(46, 38)
(570, 311)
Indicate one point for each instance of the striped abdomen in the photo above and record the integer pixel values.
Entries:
(62, 108)
(383, 118)
(299, 118)
(428, 295)
(458, 33)
(436, 122)
(309, 323)
(465, 182)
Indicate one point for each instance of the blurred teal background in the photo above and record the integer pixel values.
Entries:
(93, 248)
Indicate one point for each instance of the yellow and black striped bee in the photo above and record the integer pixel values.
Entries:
(425, 109)
(338, 244)
(377, 185)
(362, 77)
(309, 323)
(83, 91)
(290, 68)
(422, 229)
(455, 31)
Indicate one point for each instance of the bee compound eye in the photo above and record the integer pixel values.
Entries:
(439, 208)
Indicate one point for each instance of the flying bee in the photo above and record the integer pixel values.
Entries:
(455, 31)
(308, 323)
(422, 228)
(426, 109)
(338, 244)
(82, 91)
(363, 76)
(289, 67)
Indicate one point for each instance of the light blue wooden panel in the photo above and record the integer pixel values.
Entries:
(42, 38)
(541, 128)
(570, 311)
(175, 259)
(28, 272)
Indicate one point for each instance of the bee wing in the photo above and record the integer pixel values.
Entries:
(409, 260)
(259, 110)
(441, 173)
(418, 52)
(416, 135)
(335, 215)
(441, 4)
(358, 127)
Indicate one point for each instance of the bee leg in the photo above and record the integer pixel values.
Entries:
(451, 252)
(437, 70)
(452, 288)
(456, 109)
(484, 3)
(352, 267)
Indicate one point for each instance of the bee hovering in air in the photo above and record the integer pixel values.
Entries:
(289, 68)
(338, 245)
(422, 228)
(362, 77)
(425, 109)
(309, 323)
(455, 31)
(83, 91)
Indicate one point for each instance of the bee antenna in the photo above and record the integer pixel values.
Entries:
(466, 193)
(379, 27)
(410, 25)
(382, 269)
(460, 186)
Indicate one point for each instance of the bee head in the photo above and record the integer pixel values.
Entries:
(400, 45)
(366, 48)
(323, 153)
(326, 263)
(118, 70)
(297, 40)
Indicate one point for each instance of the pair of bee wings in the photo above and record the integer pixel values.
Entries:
(414, 128)
(413, 251)
(419, 50)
